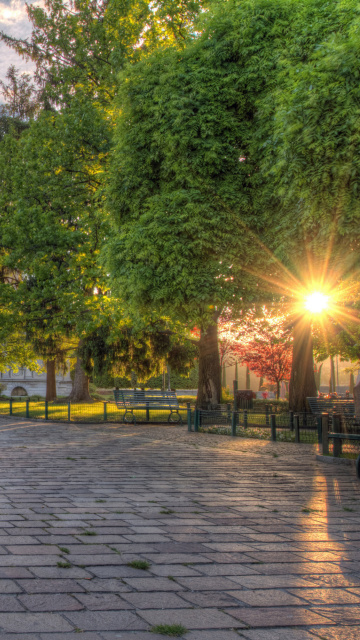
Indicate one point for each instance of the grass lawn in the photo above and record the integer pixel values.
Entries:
(83, 412)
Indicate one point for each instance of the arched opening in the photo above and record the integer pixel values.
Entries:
(19, 391)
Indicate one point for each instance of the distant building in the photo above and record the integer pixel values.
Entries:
(28, 383)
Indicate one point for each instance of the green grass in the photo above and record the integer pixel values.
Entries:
(88, 533)
(144, 565)
(81, 412)
(172, 630)
(64, 565)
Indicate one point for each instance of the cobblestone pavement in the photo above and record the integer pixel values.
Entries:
(244, 538)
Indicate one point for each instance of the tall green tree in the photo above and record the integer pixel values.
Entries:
(189, 203)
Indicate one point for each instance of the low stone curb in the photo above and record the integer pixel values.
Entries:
(330, 460)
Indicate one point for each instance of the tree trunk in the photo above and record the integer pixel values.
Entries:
(332, 384)
(278, 390)
(209, 387)
(261, 382)
(223, 377)
(80, 389)
(302, 380)
(247, 379)
(357, 396)
(236, 372)
(50, 380)
(351, 384)
(317, 375)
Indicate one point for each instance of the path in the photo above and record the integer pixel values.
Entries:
(245, 539)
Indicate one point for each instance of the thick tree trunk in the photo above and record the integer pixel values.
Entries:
(80, 389)
(302, 380)
(356, 393)
(261, 382)
(209, 387)
(50, 380)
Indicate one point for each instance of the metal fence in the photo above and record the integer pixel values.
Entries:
(88, 412)
(284, 427)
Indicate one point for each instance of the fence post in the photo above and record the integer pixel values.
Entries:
(235, 388)
(297, 428)
(147, 412)
(337, 447)
(105, 410)
(10, 406)
(325, 433)
(267, 415)
(188, 416)
(196, 420)
(46, 410)
(319, 428)
(273, 427)
(27, 408)
(233, 423)
(291, 420)
(245, 419)
(69, 411)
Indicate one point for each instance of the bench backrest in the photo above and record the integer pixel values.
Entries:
(133, 398)
(331, 405)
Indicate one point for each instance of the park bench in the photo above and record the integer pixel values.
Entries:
(343, 406)
(130, 400)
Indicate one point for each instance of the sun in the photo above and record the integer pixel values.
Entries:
(316, 302)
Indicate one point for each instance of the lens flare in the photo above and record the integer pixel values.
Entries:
(316, 302)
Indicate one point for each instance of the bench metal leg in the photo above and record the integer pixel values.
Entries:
(132, 417)
(175, 417)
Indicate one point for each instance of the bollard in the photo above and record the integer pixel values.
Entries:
(188, 416)
(69, 411)
(336, 428)
(291, 420)
(245, 419)
(10, 407)
(46, 410)
(273, 427)
(147, 412)
(325, 433)
(105, 410)
(358, 467)
(27, 408)
(233, 423)
(297, 428)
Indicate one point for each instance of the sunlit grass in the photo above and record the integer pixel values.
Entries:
(83, 412)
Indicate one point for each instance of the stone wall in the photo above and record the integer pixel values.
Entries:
(26, 382)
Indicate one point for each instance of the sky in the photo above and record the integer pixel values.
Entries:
(14, 21)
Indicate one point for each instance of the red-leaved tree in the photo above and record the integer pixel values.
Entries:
(265, 346)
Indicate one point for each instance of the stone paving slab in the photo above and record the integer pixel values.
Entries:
(242, 538)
